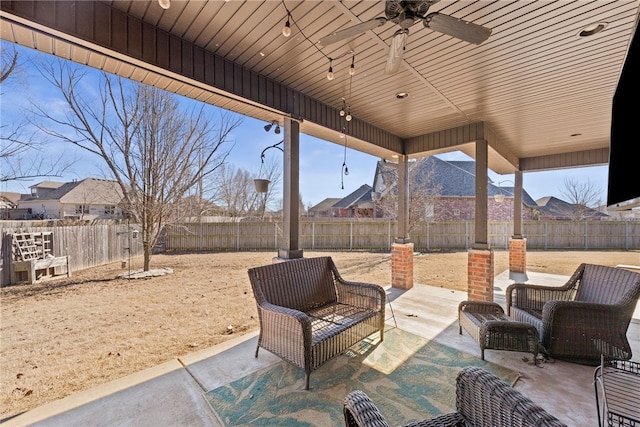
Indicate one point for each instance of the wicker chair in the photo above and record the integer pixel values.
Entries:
(308, 314)
(482, 399)
(584, 319)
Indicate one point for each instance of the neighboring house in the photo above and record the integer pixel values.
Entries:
(552, 208)
(358, 204)
(451, 188)
(323, 209)
(90, 198)
(452, 185)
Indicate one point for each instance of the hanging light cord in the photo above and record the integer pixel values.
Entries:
(290, 17)
(345, 170)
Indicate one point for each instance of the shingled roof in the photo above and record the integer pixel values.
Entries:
(361, 195)
(450, 178)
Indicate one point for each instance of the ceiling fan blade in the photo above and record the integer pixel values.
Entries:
(396, 50)
(357, 29)
(458, 28)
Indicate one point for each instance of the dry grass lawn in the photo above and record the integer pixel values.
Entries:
(70, 334)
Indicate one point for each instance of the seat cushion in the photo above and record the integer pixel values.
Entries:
(532, 317)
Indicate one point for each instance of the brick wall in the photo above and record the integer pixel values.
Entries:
(480, 275)
(518, 255)
(447, 207)
(402, 265)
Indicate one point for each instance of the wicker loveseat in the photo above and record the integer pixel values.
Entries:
(482, 400)
(308, 314)
(586, 317)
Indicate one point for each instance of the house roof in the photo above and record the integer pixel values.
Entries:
(10, 196)
(448, 178)
(553, 207)
(325, 205)
(87, 191)
(361, 195)
(48, 184)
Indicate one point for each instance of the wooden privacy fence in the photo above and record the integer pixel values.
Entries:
(379, 235)
(85, 245)
(97, 244)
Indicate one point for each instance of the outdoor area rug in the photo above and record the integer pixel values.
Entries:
(408, 377)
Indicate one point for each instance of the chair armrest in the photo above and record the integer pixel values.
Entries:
(362, 295)
(574, 323)
(530, 296)
(275, 319)
(360, 411)
(480, 307)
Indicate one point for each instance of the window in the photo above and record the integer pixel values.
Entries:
(109, 210)
(82, 209)
(430, 211)
(456, 212)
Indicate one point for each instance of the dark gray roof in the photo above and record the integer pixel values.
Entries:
(362, 194)
(454, 178)
(554, 207)
(324, 205)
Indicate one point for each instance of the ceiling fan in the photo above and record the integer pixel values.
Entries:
(406, 14)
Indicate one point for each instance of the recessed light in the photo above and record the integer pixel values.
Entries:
(402, 95)
(592, 29)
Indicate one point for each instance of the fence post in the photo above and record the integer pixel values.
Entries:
(389, 235)
(545, 236)
(350, 235)
(313, 235)
(238, 236)
(275, 235)
(428, 242)
(466, 235)
(626, 235)
(586, 235)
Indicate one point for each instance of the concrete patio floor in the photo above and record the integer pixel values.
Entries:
(171, 394)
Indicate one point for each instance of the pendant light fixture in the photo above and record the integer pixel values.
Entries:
(330, 74)
(286, 30)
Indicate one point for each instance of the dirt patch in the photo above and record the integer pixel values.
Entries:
(70, 334)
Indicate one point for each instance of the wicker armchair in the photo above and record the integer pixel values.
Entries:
(308, 314)
(482, 399)
(583, 319)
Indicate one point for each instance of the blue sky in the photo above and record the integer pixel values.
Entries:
(320, 161)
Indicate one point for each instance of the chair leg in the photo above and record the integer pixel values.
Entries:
(257, 349)
(307, 376)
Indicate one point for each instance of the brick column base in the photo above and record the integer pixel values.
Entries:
(402, 265)
(480, 275)
(518, 259)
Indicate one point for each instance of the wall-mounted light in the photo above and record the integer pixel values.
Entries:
(352, 68)
(268, 127)
(165, 4)
(286, 30)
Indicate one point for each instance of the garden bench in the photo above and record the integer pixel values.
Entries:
(309, 314)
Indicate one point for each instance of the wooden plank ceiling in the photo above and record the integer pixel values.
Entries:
(542, 91)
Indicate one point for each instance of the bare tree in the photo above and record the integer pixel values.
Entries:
(234, 190)
(422, 193)
(21, 154)
(9, 63)
(155, 150)
(585, 196)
